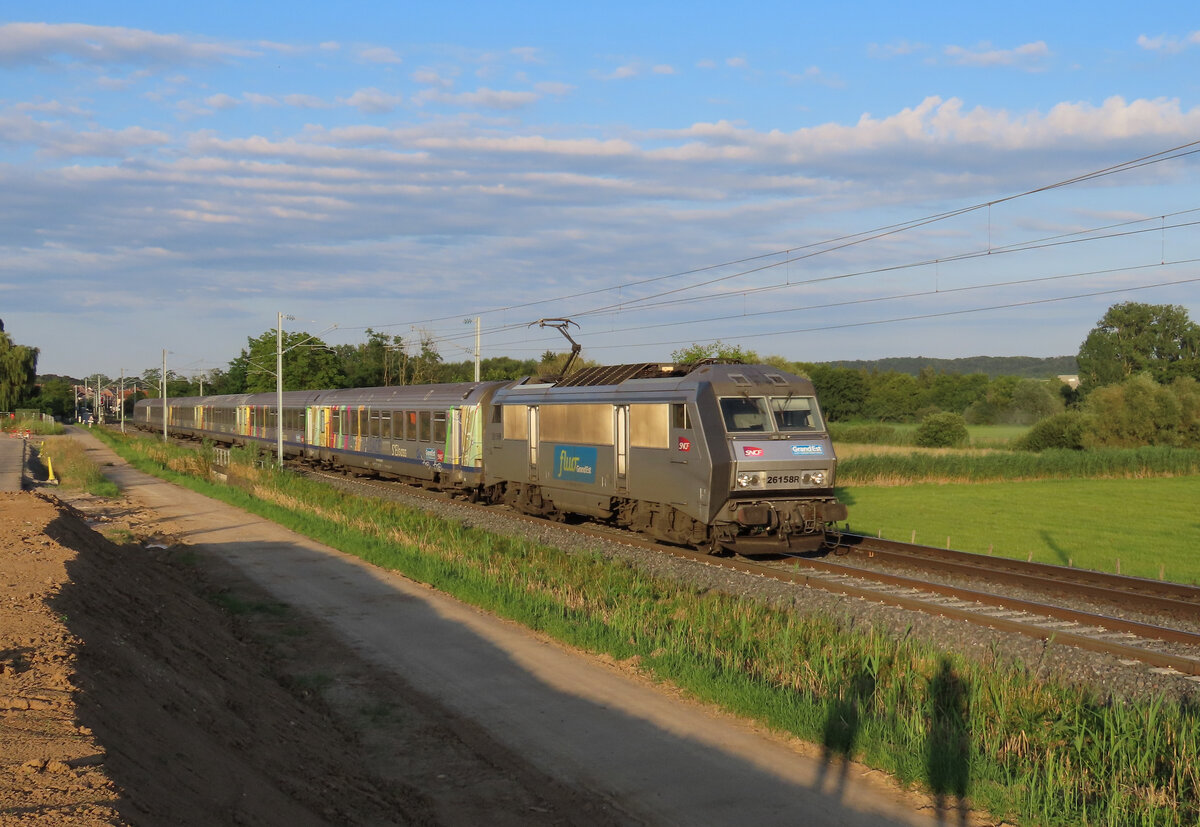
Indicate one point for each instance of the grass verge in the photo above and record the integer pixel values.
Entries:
(35, 427)
(987, 730)
(70, 464)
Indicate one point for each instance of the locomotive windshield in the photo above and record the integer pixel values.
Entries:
(745, 414)
(796, 413)
(756, 414)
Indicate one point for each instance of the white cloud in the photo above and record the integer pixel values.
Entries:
(259, 100)
(1028, 56)
(221, 101)
(815, 75)
(736, 62)
(554, 88)
(109, 83)
(528, 54)
(366, 200)
(32, 43)
(431, 77)
(378, 54)
(901, 48)
(305, 102)
(664, 69)
(56, 140)
(373, 101)
(1168, 44)
(482, 97)
(629, 70)
(49, 107)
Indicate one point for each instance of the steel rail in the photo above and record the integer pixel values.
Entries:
(1155, 595)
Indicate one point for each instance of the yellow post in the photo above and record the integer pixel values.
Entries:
(50, 468)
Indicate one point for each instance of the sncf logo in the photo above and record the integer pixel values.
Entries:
(685, 444)
(752, 452)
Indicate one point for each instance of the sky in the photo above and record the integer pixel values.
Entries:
(814, 181)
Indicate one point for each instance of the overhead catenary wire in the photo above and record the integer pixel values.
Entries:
(1060, 239)
(896, 319)
(843, 241)
(673, 297)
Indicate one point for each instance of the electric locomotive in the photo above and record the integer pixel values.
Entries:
(712, 455)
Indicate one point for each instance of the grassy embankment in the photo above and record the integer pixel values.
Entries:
(73, 468)
(1015, 746)
(35, 427)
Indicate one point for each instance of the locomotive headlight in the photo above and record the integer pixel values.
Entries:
(750, 479)
(818, 478)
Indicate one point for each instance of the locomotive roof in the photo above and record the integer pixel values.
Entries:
(657, 378)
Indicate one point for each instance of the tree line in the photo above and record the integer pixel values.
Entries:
(1138, 370)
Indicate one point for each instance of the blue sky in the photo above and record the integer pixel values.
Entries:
(174, 175)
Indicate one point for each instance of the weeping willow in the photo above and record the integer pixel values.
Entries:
(18, 370)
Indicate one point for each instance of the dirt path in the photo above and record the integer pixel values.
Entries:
(332, 692)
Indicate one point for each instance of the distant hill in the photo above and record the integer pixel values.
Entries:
(1029, 367)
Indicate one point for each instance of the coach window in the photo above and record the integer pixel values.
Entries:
(374, 426)
(439, 427)
(423, 421)
(745, 414)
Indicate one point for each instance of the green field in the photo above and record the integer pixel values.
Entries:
(1090, 523)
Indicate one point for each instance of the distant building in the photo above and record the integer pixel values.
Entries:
(1071, 380)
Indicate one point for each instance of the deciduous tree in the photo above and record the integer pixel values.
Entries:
(1134, 337)
(18, 371)
(308, 363)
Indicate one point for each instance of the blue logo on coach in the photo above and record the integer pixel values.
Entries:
(576, 463)
(808, 450)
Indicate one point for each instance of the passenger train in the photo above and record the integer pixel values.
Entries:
(712, 455)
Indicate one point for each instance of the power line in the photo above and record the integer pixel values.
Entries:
(919, 317)
(834, 244)
(1060, 239)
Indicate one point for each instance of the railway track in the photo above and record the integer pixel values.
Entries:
(1161, 646)
(1153, 597)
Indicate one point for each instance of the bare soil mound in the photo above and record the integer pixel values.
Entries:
(144, 683)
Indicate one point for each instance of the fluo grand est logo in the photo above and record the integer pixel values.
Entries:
(575, 462)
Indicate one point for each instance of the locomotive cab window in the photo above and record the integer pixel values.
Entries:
(796, 413)
(680, 418)
(745, 414)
